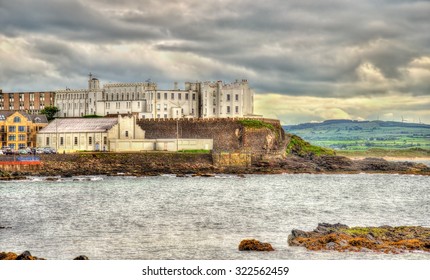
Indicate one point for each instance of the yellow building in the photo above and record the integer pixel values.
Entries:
(18, 129)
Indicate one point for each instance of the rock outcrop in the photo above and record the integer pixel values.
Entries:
(386, 239)
(26, 255)
(254, 245)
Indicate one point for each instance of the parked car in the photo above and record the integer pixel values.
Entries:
(23, 151)
(1, 152)
(8, 151)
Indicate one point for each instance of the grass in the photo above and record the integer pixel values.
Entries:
(360, 231)
(300, 147)
(194, 151)
(256, 124)
(378, 152)
(92, 116)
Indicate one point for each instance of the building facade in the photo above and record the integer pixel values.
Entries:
(18, 129)
(196, 100)
(30, 102)
(144, 99)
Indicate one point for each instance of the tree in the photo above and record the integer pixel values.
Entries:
(50, 112)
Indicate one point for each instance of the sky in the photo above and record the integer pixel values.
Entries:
(306, 60)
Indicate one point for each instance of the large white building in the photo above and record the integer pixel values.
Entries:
(198, 99)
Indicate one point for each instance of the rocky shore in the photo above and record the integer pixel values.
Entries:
(152, 164)
(341, 238)
(26, 255)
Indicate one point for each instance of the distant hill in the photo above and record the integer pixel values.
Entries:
(361, 135)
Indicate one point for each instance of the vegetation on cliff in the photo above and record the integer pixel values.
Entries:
(300, 147)
(256, 124)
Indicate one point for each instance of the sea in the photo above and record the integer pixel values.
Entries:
(201, 218)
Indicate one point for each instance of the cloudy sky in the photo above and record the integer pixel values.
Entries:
(307, 60)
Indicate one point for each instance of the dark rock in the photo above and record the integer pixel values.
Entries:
(51, 179)
(81, 257)
(254, 245)
(26, 255)
(326, 227)
(8, 256)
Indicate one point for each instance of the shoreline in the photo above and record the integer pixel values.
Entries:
(123, 164)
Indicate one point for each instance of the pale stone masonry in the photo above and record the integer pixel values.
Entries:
(144, 99)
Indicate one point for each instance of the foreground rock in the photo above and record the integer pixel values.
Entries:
(254, 245)
(26, 255)
(386, 239)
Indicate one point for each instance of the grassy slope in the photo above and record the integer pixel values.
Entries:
(300, 147)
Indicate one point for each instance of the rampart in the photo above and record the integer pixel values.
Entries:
(228, 134)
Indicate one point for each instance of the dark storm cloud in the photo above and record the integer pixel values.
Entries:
(295, 47)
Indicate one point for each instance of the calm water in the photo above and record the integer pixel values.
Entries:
(201, 218)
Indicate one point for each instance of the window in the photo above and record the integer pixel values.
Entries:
(126, 133)
(61, 141)
(158, 95)
(186, 96)
(21, 146)
(172, 96)
(158, 107)
(76, 141)
(165, 116)
(17, 120)
(21, 137)
(12, 128)
(165, 95)
(12, 137)
(47, 141)
(228, 97)
(192, 111)
(104, 140)
(228, 109)
(179, 96)
(90, 140)
(236, 97)
(194, 96)
(165, 107)
(237, 109)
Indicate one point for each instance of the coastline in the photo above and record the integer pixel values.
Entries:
(154, 164)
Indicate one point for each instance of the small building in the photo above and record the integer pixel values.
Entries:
(119, 134)
(77, 134)
(18, 129)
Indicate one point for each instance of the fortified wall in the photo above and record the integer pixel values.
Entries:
(256, 136)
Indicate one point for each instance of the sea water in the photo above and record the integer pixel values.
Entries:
(166, 217)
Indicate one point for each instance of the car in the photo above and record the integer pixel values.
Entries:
(8, 151)
(22, 151)
(1, 152)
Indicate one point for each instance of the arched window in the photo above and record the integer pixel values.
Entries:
(17, 119)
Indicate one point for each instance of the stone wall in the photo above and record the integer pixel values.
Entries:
(228, 134)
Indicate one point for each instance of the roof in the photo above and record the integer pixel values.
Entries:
(34, 118)
(80, 125)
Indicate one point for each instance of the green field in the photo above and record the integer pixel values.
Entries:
(347, 135)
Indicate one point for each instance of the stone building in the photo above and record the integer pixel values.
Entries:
(30, 102)
(196, 100)
(18, 129)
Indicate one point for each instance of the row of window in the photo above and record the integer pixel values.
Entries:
(12, 128)
(21, 137)
(75, 140)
